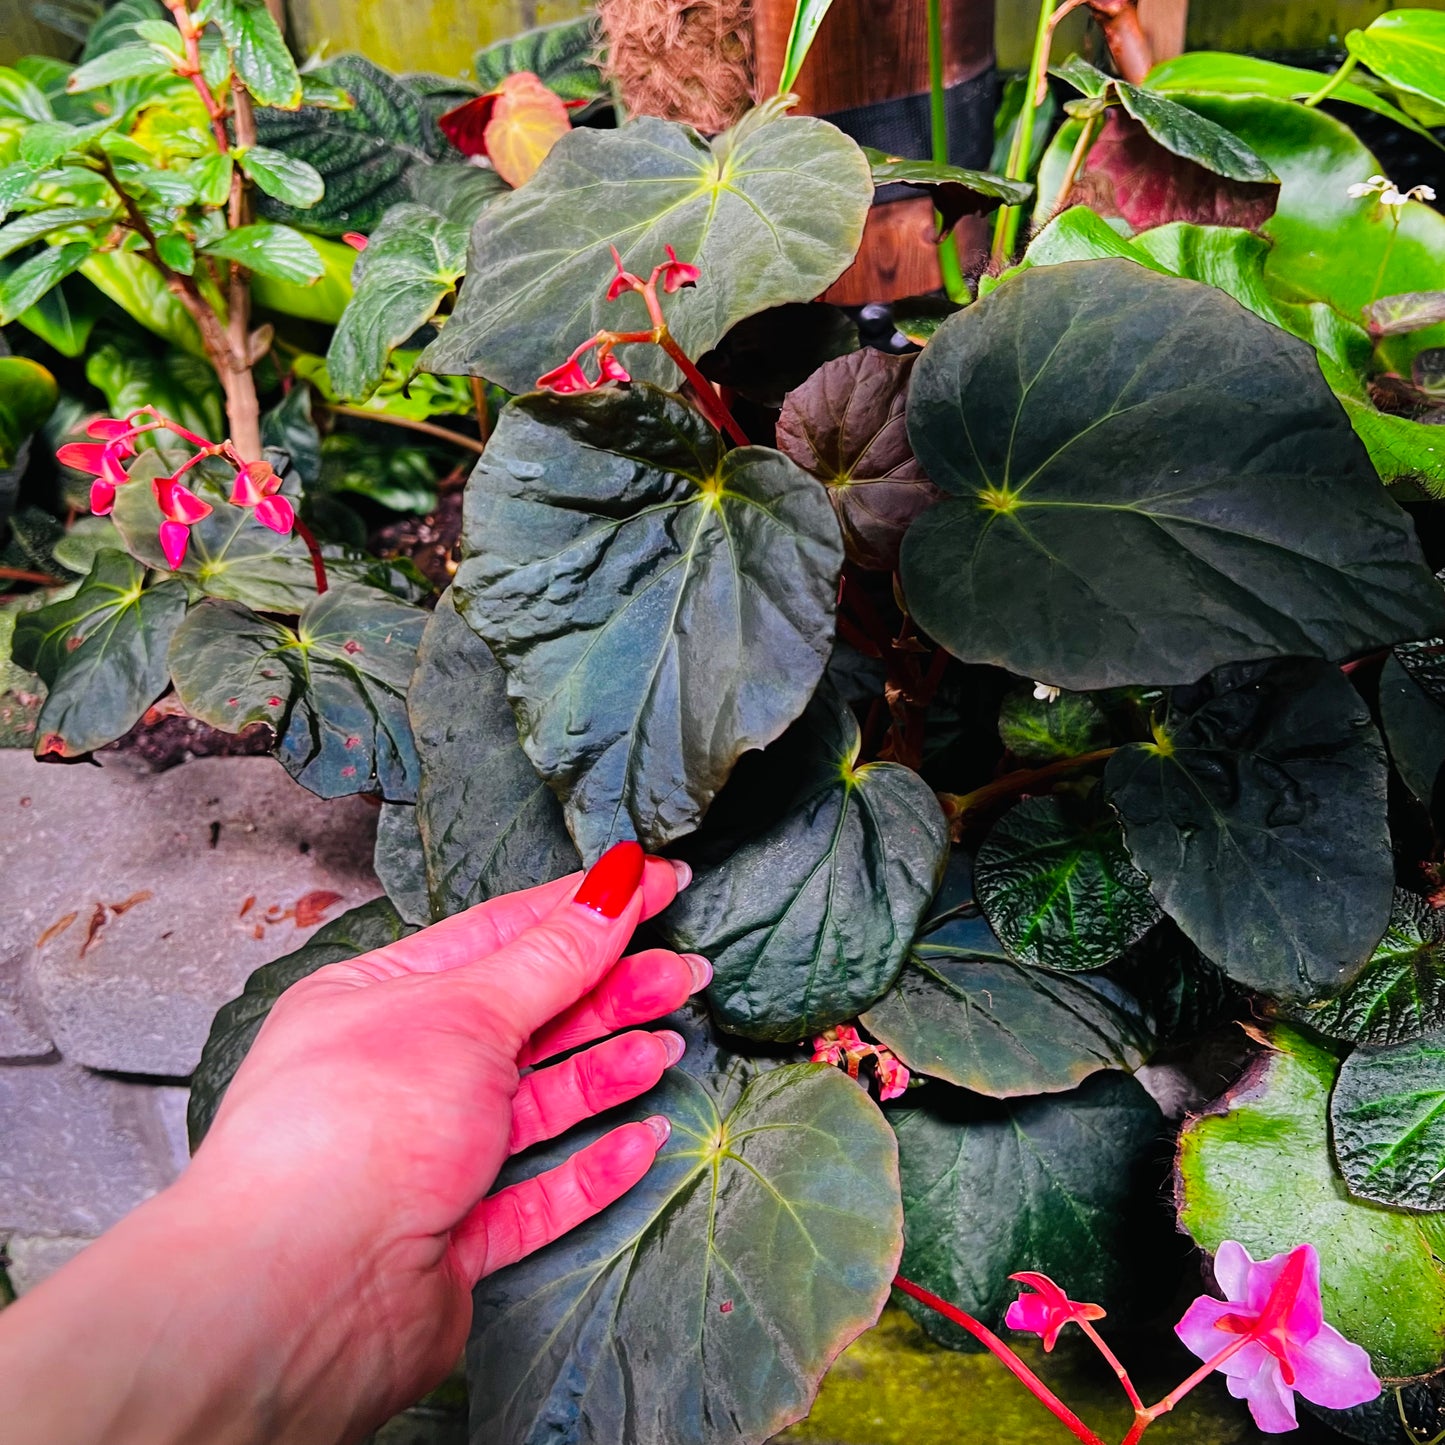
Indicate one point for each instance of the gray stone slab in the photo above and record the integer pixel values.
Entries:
(22, 1033)
(141, 902)
(34, 1257)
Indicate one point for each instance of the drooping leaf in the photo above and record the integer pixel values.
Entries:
(1237, 814)
(258, 51)
(30, 280)
(1413, 311)
(846, 426)
(1400, 993)
(1060, 1184)
(957, 191)
(1183, 133)
(766, 1175)
(1056, 884)
(27, 396)
(234, 1030)
(1038, 730)
(399, 863)
(292, 181)
(1387, 1122)
(1156, 541)
(1258, 1170)
(413, 260)
(487, 823)
(126, 62)
(101, 652)
(333, 688)
(809, 921)
(660, 606)
(269, 250)
(562, 56)
(24, 229)
(1405, 47)
(1413, 720)
(770, 211)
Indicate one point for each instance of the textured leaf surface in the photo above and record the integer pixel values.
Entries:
(399, 864)
(1059, 1184)
(846, 425)
(1183, 133)
(1042, 730)
(101, 652)
(809, 922)
(562, 56)
(1387, 1121)
(292, 181)
(488, 824)
(1109, 525)
(1260, 821)
(957, 191)
(1260, 1172)
(1056, 884)
(333, 688)
(660, 607)
(270, 250)
(235, 1027)
(770, 211)
(258, 51)
(695, 1308)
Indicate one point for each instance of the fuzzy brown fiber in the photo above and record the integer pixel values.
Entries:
(689, 60)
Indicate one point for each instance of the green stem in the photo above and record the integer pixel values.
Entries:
(1006, 231)
(1333, 83)
(1385, 258)
(1076, 162)
(948, 266)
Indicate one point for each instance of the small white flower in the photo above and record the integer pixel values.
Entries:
(1361, 189)
(1389, 193)
(1391, 197)
(1044, 693)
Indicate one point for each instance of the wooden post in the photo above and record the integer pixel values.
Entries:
(865, 53)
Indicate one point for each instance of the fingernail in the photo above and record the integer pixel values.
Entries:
(661, 1127)
(684, 873)
(673, 1042)
(700, 969)
(612, 880)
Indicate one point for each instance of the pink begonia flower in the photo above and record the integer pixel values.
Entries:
(1047, 1310)
(102, 497)
(677, 274)
(567, 378)
(175, 537)
(612, 369)
(254, 481)
(893, 1075)
(180, 507)
(844, 1045)
(276, 513)
(1276, 1305)
(624, 280)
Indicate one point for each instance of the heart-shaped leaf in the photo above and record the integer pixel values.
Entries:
(1236, 814)
(809, 922)
(1056, 884)
(1038, 730)
(101, 652)
(770, 211)
(1400, 994)
(660, 606)
(1118, 522)
(27, 396)
(561, 56)
(765, 1177)
(845, 424)
(1406, 48)
(1060, 1184)
(1387, 1121)
(526, 121)
(333, 687)
(235, 1027)
(488, 824)
(1258, 1170)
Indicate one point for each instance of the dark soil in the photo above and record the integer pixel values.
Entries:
(431, 541)
(165, 742)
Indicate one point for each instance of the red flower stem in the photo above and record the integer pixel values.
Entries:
(1006, 1356)
(1144, 1417)
(161, 422)
(707, 398)
(318, 563)
(1114, 1364)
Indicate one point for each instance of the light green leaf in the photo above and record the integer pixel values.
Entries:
(29, 281)
(807, 18)
(1044, 730)
(44, 144)
(1405, 47)
(129, 62)
(258, 50)
(290, 180)
(269, 250)
(27, 396)
(24, 229)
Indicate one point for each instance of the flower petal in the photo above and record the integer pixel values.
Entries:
(1332, 1371)
(567, 378)
(1030, 1313)
(465, 126)
(102, 497)
(276, 513)
(1232, 1266)
(174, 538)
(1271, 1401)
(81, 456)
(1199, 1328)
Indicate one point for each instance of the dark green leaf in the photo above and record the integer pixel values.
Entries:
(562, 57)
(269, 250)
(1406, 48)
(289, 427)
(1150, 482)
(177, 252)
(661, 606)
(29, 281)
(455, 190)
(771, 211)
(27, 396)
(1258, 1170)
(1039, 730)
(258, 51)
(402, 478)
(955, 925)
(64, 317)
(1413, 716)
(234, 1030)
(1237, 814)
(117, 25)
(102, 653)
(126, 63)
(292, 181)
(1387, 1122)
(1061, 1184)
(809, 922)
(1183, 133)
(24, 229)
(1400, 994)
(399, 863)
(1056, 884)
(765, 356)
(412, 262)
(721, 1245)
(1412, 311)
(957, 191)
(846, 426)
(488, 824)
(333, 688)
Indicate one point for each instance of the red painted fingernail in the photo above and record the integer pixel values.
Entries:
(661, 1127)
(612, 880)
(674, 1043)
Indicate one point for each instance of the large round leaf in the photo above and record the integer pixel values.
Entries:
(235, 1027)
(1259, 1171)
(1061, 1185)
(488, 824)
(707, 1303)
(660, 606)
(1149, 481)
(1039, 730)
(333, 687)
(770, 211)
(1259, 817)
(27, 397)
(809, 922)
(1056, 883)
(1387, 1121)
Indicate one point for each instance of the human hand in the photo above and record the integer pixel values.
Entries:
(383, 1095)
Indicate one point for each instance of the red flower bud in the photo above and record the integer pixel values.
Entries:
(623, 280)
(612, 369)
(276, 513)
(355, 240)
(102, 497)
(174, 538)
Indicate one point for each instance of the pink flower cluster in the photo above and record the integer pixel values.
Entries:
(845, 1046)
(256, 484)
